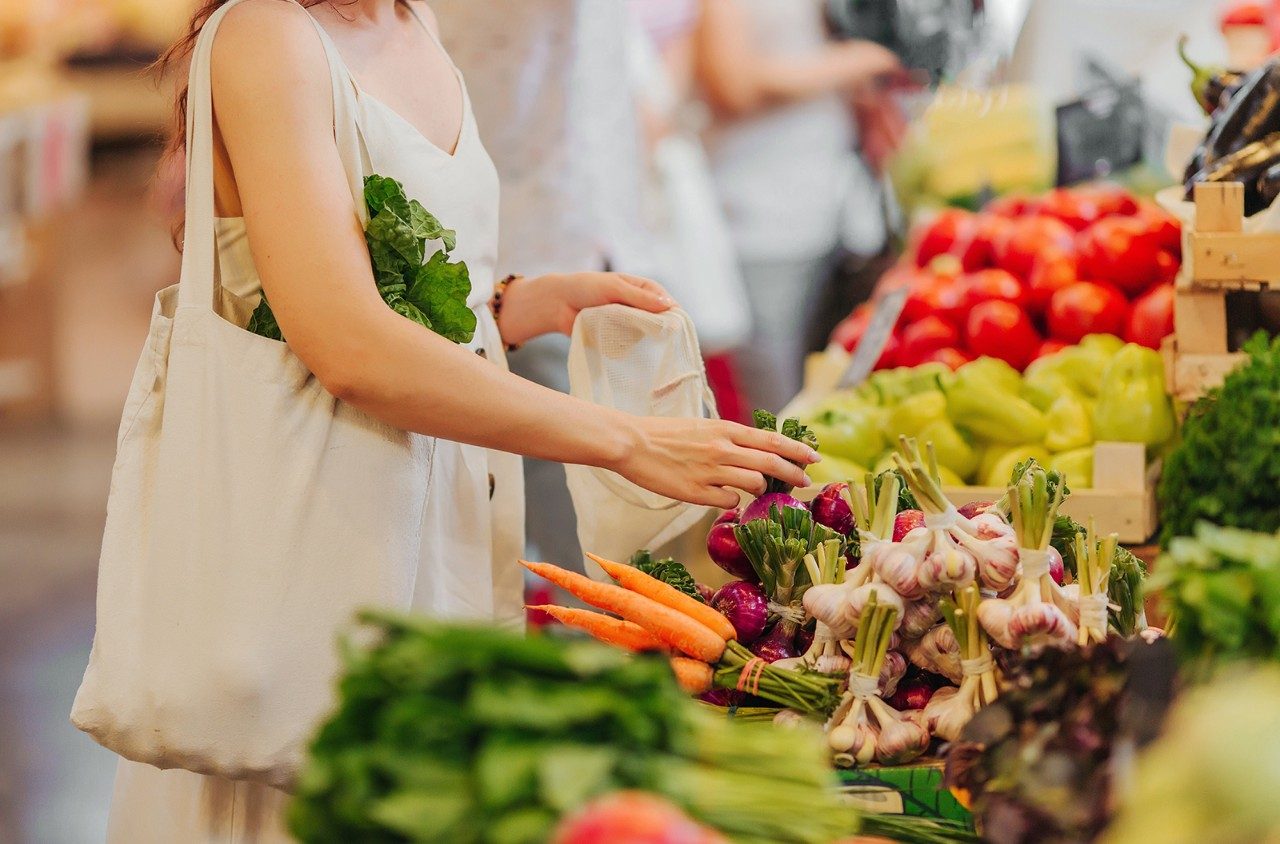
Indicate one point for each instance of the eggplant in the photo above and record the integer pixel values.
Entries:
(1246, 165)
(1268, 185)
(1251, 114)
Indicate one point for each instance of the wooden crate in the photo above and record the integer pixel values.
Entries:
(1218, 257)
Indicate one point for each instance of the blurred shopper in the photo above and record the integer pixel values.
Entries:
(783, 151)
(265, 489)
(692, 245)
(549, 84)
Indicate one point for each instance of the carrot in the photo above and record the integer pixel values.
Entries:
(694, 677)
(671, 627)
(630, 577)
(610, 630)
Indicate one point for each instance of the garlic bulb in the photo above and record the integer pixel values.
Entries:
(947, 566)
(885, 595)
(829, 603)
(937, 651)
(901, 739)
(898, 565)
(892, 672)
(947, 717)
(1041, 624)
(917, 618)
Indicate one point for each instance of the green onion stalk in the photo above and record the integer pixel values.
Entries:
(1094, 560)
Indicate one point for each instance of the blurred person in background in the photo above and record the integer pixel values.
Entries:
(549, 84)
(784, 154)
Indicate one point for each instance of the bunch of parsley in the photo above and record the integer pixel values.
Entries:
(430, 291)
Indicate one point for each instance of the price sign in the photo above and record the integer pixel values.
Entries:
(879, 330)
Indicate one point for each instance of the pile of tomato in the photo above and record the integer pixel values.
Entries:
(1028, 275)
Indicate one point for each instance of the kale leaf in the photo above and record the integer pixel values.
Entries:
(429, 291)
(792, 429)
(1226, 469)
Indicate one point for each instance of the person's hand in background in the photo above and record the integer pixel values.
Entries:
(532, 307)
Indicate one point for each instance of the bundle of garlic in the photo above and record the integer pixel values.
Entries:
(949, 710)
(825, 566)
(1039, 611)
(1094, 558)
(864, 727)
(953, 551)
(937, 651)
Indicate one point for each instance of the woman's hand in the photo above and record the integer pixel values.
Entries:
(703, 461)
(532, 307)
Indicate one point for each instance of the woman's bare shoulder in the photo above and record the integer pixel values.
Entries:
(424, 11)
(269, 49)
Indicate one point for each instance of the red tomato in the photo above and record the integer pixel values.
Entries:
(932, 296)
(992, 231)
(921, 338)
(1112, 200)
(1049, 347)
(952, 232)
(985, 285)
(1030, 238)
(1169, 266)
(952, 357)
(1122, 250)
(850, 329)
(1077, 208)
(1151, 318)
(1012, 205)
(1002, 330)
(632, 817)
(1167, 228)
(1049, 275)
(1086, 307)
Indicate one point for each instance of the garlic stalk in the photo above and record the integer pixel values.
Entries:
(1094, 558)
(978, 686)
(831, 607)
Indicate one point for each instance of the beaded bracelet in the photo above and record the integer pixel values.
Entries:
(495, 304)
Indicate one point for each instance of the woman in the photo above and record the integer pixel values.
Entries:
(286, 228)
(783, 154)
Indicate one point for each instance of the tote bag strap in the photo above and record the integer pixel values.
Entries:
(199, 239)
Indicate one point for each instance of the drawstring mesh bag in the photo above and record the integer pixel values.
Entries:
(646, 365)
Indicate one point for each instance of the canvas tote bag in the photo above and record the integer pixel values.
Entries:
(250, 514)
(647, 365)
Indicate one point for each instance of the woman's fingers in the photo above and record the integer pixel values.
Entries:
(764, 463)
(775, 443)
(642, 293)
(716, 496)
(746, 480)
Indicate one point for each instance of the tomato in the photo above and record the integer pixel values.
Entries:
(950, 356)
(1002, 330)
(1087, 307)
(923, 337)
(1049, 347)
(849, 331)
(1050, 274)
(932, 296)
(1166, 227)
(889, 357)
(1111, 199)
(985, 285)
(1151, 318)
(1078, 209)
(1169, 265)
(1122, 250)
(1030, 238)
(952, 232)
(993, 230)
(1012, 205)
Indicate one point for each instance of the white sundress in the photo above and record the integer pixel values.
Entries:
(473, 524)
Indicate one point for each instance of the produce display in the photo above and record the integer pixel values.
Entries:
(986, 417)
(1028, 275)
(431, 291)
(470, 734)
(1226, 467)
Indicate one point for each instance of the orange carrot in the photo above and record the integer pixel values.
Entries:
(610, 630)
(671, 627)
(694, 677)
(630, 577)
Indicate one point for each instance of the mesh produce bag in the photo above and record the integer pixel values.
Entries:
(646, 365)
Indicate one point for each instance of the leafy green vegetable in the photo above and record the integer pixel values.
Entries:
(429, 291)
(471, 735)
(791, 429)
(668, 570)
(1226, 469)
(1221, 589)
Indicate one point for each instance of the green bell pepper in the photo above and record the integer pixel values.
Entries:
(913, 414)
(988, 410)
(1107, 344)
(854, 435)
(1132, 404)
(993, 370)
(1076, 465)
(1069, 423)
(833, 469)
(1000, 469)
(953, 450)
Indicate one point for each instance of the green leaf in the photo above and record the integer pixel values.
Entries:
(440, 289)
(425, 816)
(569, 775)
(426, 226)
(410, 311)
(668, 570)
(392, 243)
(263, 322)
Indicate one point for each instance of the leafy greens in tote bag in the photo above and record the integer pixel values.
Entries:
(430, 291)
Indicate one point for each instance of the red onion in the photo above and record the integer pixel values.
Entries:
(759, 509)
(724, 550)
(777, 644)
(804, 639)
(746, 607)
(722, 697)
(829, 509)
(705, 591)
(905, 522)
(974, 508)
(1057, 570)
(911, 694)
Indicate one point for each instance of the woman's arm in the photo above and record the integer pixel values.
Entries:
(740, 78)
(273, 107)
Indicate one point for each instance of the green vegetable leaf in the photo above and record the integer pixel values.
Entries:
(668, 570)
(262, 321)
(426, 226)
(392, 242)
(440, 289)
